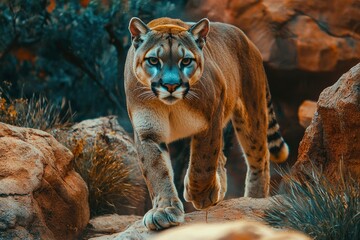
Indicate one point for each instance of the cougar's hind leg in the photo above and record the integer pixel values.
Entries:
(251, 133)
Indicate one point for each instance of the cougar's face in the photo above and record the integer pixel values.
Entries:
(168, 64)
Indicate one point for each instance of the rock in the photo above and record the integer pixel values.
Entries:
(306, 112)
(103, 130)
(304, 35)
(237, 230)
(228, 210)
(41, 196)
(105, 134)
(334, 134)
(108, 224)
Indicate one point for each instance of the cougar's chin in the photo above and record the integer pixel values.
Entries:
(173, 97)
(170, 100)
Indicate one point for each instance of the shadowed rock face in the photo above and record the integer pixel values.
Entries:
(41, 196)
(334, 133)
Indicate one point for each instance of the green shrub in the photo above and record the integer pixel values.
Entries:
(318, 207)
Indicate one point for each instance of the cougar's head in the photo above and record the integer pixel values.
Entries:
(168, 57)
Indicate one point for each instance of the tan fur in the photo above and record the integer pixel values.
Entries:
(228, 84)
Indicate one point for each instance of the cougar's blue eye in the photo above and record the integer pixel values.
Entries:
(153, 61)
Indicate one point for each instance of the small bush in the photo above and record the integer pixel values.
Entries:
(37, 112)
(108, 179)
(318, 207)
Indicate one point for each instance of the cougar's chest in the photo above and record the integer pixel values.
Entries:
(185, 122)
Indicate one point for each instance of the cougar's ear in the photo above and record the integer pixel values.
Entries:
(200, 31)
(137, 28)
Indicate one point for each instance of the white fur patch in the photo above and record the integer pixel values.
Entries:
(273, 129)
(184, 122)
(163, 94)
(275, 143)
(147, 121)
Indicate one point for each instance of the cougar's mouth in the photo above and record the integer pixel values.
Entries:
(170, 97)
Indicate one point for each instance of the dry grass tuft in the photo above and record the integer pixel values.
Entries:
(318, 207)
(108, 179)
(37, 112)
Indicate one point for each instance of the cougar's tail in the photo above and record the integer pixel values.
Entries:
(278, 148)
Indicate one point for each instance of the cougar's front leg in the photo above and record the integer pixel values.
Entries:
(156, 167)
(205, 180)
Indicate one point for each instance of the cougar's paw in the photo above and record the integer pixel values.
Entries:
(203, 197)
(165, 213)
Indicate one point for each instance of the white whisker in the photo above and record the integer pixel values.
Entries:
(193, 94)
(201, 82)
(143, 94)
(203, 85)
(141, 88)
(146, 95)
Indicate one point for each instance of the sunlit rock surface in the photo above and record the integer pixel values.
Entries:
(334, 134)
(41, 196)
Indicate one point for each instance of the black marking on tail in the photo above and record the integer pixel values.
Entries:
(273, 137)
(276, 149)
(273, 134)
(272, 123)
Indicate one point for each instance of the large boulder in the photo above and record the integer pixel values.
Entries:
(41, 196)
(334, 134)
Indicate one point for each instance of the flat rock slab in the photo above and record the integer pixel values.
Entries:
(109, 224)
(229, 210)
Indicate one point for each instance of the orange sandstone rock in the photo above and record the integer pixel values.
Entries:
(334, 134)
(41, 196)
